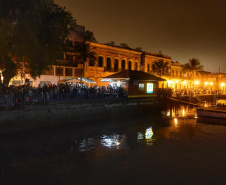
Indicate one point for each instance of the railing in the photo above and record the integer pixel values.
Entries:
(10, 102)
(7, 101)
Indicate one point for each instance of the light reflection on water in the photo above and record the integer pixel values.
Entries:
(172, 145)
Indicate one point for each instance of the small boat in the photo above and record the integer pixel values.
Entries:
(216, 114)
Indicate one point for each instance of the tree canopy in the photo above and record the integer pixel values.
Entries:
(160, 67)
(193, 65)
(31, 34)
(89, 36)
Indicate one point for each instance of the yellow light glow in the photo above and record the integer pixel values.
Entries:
(175, 122)
(176, 81)
(211, 83)
(197, 82)
(184, 82)
(183, 112)
(170, 82)
(206, 83)
(222, 84)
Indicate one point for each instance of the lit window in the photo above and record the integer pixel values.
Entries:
(141, 87)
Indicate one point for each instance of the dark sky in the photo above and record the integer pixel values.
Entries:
(182, 29)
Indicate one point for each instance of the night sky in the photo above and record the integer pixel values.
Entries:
(182, 29)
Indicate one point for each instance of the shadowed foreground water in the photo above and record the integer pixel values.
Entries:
(136, 150)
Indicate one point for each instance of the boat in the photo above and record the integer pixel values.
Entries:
(215, 114)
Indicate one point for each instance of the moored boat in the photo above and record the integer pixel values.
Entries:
(216, 114)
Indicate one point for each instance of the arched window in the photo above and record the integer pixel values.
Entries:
(148, 68)
(136, 66)
(172, 72)
(116, 65)
(91, 63)
(130, 65)
(108, 63)
(100, 61)
(123, 65)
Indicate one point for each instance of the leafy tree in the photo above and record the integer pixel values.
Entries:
(32, 33)
(124, 45)
(110, 43)
(138, 48)
(89, 36)
(83, 55)
(193, 65)
(160, 67)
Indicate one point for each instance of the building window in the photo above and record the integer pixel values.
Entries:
(69, 43)
(100, 61)
(172, 72)
(61, 56)
(108, 63)
(49, 72)
(69, 57)
(68, 71)
(141, 87)
(130, 65)
(59, 71)
(75, 64)
(148, 67)
(91, 63)
(136, 66)
(123, 64)
(116, 65)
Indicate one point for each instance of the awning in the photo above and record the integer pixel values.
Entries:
(77, 80)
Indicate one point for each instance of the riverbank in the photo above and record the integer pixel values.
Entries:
(74, 111)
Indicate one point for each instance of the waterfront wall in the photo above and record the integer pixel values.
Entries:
(65, 112)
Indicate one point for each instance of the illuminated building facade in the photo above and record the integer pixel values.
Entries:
(112, 59)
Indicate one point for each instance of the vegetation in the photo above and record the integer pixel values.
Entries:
(89, 36)
(83, 55)
(160, 67)
(31, 34)
(111, 43)
(193, 65)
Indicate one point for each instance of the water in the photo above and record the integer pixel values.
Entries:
(151, 149)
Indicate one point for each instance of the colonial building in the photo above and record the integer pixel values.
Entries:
(112, 59)
(109, 60)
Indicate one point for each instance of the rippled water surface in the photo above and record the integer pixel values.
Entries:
(166, 148)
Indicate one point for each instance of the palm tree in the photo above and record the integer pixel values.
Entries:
(160, 67)
(84, 54)
(193, 65)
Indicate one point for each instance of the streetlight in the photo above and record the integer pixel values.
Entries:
(211, 84)
(222, 86)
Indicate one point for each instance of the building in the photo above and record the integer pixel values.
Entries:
(111, 59)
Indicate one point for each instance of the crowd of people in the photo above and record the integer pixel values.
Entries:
(28, 94)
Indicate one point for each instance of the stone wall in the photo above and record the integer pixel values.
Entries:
(65, 112)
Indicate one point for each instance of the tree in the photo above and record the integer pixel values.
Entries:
(111, 43)
(124, 45)
(193, 65)
(32, 32)
(138, 48)
(160, 67)
(89, 36)
(84, 54)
